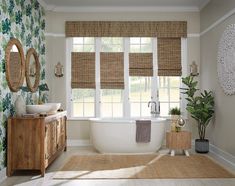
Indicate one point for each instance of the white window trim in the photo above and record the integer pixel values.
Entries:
(126, 100)
(69, 49)
(184, 59)
(97, 76)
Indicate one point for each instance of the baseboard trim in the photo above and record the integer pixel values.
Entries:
(220, 154)
(78, 143)
(3, 175)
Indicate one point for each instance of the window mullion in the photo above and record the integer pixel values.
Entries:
(168, 92)
(97, 75)
(126, 100)
(155, 87)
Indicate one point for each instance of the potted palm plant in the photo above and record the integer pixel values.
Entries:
(201, 108)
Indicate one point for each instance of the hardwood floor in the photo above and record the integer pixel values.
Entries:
(24, 179)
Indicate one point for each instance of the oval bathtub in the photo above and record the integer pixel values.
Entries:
(119, 136)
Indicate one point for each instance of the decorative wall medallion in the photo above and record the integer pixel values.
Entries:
(226, 60)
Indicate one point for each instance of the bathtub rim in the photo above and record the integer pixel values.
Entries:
(125, 120)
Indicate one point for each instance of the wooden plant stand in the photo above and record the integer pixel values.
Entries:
(178, 141)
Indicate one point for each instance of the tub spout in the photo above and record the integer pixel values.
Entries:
(154, 110)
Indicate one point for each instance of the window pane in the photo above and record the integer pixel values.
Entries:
(146, 48)
(145, 110)
(106, 110)
(164, 107)
(174, 81)
(77, 109)
(135, 109)
(111, 103)
(173, 105)
(117, 95)
(174, 94)
(89, 109)
(135, 40)
(83, 102)
(135, 48)
(141, 44)
(78, 40)
(163, 94)
(89, 40)
(83, 44)
(163, 82)
(117, 109)
(140, 95)
(112, 44)
(89, 48)
(117, 40)
(77, 48)
(146, 40)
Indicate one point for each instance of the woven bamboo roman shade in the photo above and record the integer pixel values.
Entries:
(169, 57)
(140, 64)
(161, 29)
(83, 70)
(112, 70)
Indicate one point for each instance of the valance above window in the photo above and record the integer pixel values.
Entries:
(83, 70)
(169, 57)
(160, 29)
(140, 64)
(112, 70)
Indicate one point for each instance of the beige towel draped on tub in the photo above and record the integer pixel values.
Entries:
(143, 131)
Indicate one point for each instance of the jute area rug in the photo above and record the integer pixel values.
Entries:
(141, 167)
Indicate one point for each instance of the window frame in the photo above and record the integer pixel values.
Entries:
(126, 100)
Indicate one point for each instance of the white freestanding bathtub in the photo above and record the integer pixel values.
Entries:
(119, 136)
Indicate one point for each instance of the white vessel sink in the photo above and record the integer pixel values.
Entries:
(37, 109)
(49, 108)
(54, 107)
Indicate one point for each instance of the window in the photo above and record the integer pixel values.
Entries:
(169, 93)
(139, 90)
(111, 103)
(140, 95)
(112, 44)
(83, 102)
(140, 44)
(83, 44)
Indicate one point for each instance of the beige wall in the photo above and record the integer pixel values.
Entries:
(56, 51)
(221, 132)
(214, 11)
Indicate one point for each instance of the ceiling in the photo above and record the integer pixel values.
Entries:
(123, 5)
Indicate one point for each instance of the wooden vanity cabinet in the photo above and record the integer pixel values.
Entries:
(33, 143)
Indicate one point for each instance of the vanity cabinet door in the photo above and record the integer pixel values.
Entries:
(60, 133)
(50, 139)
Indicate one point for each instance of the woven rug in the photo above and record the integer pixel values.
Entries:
(141, 167)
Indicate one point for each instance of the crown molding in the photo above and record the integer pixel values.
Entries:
(220, 20)
(118, 9)
(203, 4)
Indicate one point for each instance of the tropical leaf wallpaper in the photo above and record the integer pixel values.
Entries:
(24, 20)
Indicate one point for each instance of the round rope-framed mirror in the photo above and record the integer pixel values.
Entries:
(32, 71)
(15, 64)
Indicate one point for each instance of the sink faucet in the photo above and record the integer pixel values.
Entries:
(154, 110)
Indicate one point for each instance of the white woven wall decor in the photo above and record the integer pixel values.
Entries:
(226, 60)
